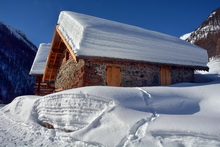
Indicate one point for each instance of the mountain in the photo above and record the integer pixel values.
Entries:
(207, 35)
(16, 56)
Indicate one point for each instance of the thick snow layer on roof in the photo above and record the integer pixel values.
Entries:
(96, 37)
(40, 60)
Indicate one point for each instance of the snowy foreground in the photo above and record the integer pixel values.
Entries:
(175, 116)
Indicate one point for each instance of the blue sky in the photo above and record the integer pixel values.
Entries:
(37, 18)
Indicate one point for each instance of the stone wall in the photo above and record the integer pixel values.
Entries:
(92, 72)
(133, 73)
(70, 74)
(181, 74)
(140, 74)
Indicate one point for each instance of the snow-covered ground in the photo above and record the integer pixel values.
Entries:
(179, 115)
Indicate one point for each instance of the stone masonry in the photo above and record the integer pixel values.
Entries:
(134, 74)
(181, 74)
(70, 74)
(92, 72)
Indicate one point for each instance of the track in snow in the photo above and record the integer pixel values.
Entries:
(139, 129)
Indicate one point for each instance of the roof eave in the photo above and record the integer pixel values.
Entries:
(205, 68)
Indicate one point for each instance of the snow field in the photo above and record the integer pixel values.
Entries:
(184, 114)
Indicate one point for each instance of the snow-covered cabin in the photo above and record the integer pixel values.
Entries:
(87, 51)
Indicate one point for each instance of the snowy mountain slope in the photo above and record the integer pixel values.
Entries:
(184, 114)
(20, 36)
(16, 56)
(207, 34)
(185, 36)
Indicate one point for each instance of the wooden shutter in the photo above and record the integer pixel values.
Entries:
(165, 77)
(113, 76)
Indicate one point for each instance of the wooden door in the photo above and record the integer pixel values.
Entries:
(165, 77)
(113, 76)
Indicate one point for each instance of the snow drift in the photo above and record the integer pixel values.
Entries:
(179, 115)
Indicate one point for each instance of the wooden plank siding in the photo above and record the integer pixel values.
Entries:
(41, 88)
(113, 76)
(165, 76)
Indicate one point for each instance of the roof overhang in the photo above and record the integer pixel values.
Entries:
(58, 46)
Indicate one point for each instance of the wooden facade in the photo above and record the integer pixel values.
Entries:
(165, 76)
(42, 88)
(58, 47)
(113, 76)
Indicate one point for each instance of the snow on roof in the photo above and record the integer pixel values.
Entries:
(95, 37)
(40, 60)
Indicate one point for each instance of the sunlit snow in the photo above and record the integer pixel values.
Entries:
(185, 114)
(95, 37)
(40, 60)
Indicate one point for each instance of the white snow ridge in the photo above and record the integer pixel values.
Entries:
(70, 112)
(179, 115)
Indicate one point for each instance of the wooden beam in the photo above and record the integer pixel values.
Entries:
(53, 44)
(58, 42)
(52, 66)
(66, 43)
(55, 61)
(57, 51)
